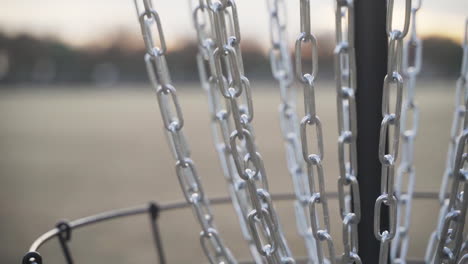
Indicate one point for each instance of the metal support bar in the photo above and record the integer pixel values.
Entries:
(154, 211)
(371, 62)
(64, 236)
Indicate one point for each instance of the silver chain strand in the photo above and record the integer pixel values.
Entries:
(249, 180)
(282, 70)
(445, 243)
(210, 240)
(390, 119)
(464, 252)
(345, 75)
(451, 234)
(219, 116)
(262, 219)
(315, 195)
(409, 125)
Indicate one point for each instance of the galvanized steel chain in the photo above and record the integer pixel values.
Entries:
(173, 121)
(282, 70)
(446, 241)
(243, 164)
(391, 118)
(463, 259)
(262, 219)
(457, 127)
(220, 116)
(222, 75)
(315, 194)
(450, 239)
(405, 180)
(345, 75)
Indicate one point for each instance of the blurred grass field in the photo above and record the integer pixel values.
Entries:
(69, 153)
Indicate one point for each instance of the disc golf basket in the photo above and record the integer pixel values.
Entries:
(376, 66)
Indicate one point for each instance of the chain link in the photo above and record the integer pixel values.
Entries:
(446, 241)
(173, 122)
(391, 118)
(405, 180)
(407, 17)
(463, 259)
(314, 193)
(222, 76)
(345, 76)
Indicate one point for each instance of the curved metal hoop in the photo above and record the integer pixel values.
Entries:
(154, 210)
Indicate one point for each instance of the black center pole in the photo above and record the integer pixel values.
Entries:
(371, 62)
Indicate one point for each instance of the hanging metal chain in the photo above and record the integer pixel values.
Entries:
(221, 123)
(446, 241)
(451, 234)
(345, 75)
(282, 70)
(315, 194)
(457, 127)
(173, 121)
(262, 219)
(463, 253)
(405, 180)
(232, 114)
(391, 118)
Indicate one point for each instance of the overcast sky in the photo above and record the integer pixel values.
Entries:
(81, 21)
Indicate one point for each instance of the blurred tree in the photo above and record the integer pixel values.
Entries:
(47, 60)
(441, 57)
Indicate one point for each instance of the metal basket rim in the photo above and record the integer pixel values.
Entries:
(170, 206)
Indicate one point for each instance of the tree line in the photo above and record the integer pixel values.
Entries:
(25, 58)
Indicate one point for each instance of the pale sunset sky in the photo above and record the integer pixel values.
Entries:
(80, 22)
